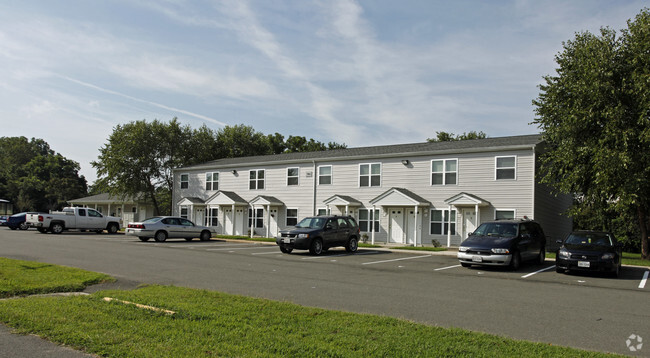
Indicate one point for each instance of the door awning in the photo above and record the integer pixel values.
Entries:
(266, 200)
(226, 198)
(465, 199)
(399, 197)
(191, 201)
(342, 200)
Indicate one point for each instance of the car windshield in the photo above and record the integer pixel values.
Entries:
(311, 223)
(597, 239)
(497, 230)
(153, 220)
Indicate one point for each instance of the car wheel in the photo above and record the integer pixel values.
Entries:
(559, 270)
(161, 236)
(515, 262)
(316, 247)
(143, 238)
(112, 228)
(205, 236)
(465, 264)
(353, 245)
(22, 226)
(56, 228)
(542, 256)
(285, 249)
(13, 227)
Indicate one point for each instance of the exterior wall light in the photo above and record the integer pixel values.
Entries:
(405, 161)
(234, 172)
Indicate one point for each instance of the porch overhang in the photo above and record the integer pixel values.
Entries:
(226, 198)
(399, 197)
(191, 201)
(265, 200)
(342, 200)
(465, 199)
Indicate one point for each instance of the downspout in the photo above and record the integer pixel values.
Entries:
(315, 175)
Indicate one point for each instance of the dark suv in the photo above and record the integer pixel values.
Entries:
(504, 243)
(319, 233)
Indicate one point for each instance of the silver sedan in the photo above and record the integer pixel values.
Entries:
(163, 227)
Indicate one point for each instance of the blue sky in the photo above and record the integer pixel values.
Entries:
(356, 72)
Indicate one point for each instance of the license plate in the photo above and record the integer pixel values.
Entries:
(583, 263)
(287, 241)
(477, 259)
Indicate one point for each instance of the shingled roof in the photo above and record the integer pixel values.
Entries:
(473, 145)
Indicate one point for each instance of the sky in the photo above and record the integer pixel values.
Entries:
(362, 73)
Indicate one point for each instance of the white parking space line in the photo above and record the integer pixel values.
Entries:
(645, 278)
(275, 251)
(403, 258)
(445, 268)
(324, 257)
(538, 271)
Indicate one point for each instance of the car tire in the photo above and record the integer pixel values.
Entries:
(56, 228)
(559, 270)
(316, 247)
(352, 245)
(515, 262)
(112, 228)
(160, 236)
(143, 238)
(99, 231)
(205, 235)
(285, 249)
(465, 264)
(13, 227)
(542, 256)
(22, 226)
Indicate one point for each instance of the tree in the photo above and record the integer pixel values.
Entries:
(595, 118)
(448, 137)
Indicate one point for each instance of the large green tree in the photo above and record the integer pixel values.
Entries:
(36, 178)
(595, 117)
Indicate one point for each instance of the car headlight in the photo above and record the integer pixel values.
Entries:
(564, 254)
(463, 248)
(500, 251)
(303, 236)
(608, 256)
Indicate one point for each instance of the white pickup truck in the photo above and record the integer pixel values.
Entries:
(74, 218)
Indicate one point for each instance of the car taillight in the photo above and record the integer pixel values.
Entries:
(136, 226)
(40, 218)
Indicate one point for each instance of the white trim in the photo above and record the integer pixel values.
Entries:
(370, 175)
(180, 180)
(331, 175)
(496, 168)
(443, 222)
(444, 171)
(212, 182)
(514, 212)
(286, 215)
(297, 176)
(256, 178)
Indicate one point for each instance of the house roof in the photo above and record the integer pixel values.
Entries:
(103, 198)
(399, 196)
(473, 145)
(266, 200)
(343, 199)
(223, 197)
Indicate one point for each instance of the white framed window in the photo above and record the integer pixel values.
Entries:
(505, 168)
(259, 218)
(213, 217)
(440, 225)
(292, 217)
(325, 175)
(185, 181)
(293, 175)
(323, 212)
(184, 212)
(504, 214)
(256, 179)
(369, 220)
(212, 181)
(370, 174)
(444, 172)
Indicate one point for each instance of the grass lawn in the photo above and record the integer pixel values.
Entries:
(27, 278)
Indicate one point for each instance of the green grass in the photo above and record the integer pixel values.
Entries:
(25, 278)
(216, 324)
(420, 248)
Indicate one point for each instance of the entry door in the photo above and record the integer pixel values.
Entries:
(273, 229)
(199, 217)
(469, 221)
(410, 226)
(228, 224)
(397, 225)
(239, 222)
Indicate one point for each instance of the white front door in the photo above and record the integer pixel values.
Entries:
(273, 229)
(199, 217)
(397, 225)
(228, 224)
(239, 222)
(410, 226)
(469, 221)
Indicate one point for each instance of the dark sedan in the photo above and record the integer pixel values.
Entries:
(589, 251)
(18, 221)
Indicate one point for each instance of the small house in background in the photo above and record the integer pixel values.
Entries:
(6, 208)
(130, 209)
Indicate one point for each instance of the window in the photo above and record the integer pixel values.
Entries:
(259, 218)
(211, 181)
(184, 212)
(323, 212)
(444, 172)
(94, 214)
(256, 179)
(213, 217)
(292, 176)
(440, 222)
(370, 174)
(369, 220)
(292, 217)
(185, 181)
(325, 175)
(504, 214)
(82, 212)
(506, 167)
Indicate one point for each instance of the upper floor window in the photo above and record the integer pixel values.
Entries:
(211, 181)
(370, 174)
(185, 181)
(506, 167)
(292, 176)
(256, 181)
(325, 175)
(444, 172)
